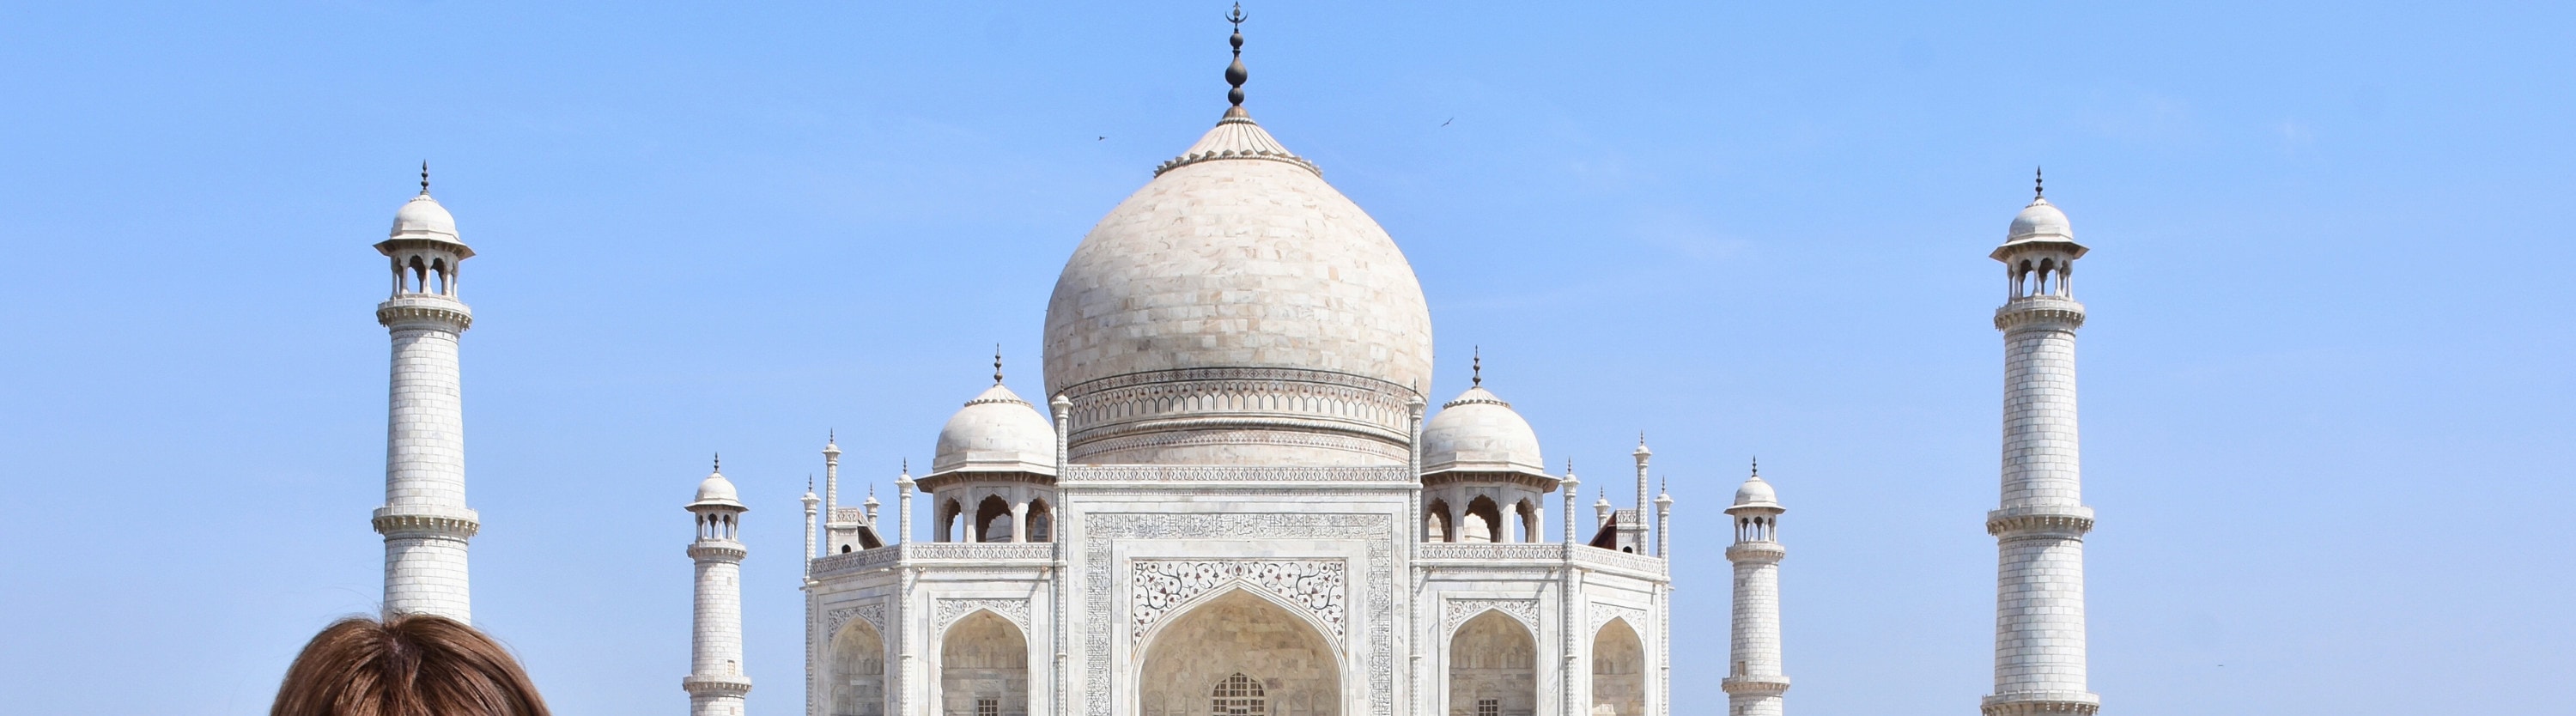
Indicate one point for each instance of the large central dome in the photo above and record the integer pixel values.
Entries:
(1238, 310)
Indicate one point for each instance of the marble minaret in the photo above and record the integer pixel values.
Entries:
(425, 521)
(1754, 682)
(716, 683)
(2040, 527)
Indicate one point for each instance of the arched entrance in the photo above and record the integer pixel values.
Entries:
(1618, 671)
(858, 671)
(984, 668)
(1493, 668)
(1235, 653)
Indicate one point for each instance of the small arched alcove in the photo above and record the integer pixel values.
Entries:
(1618, 670)
(858, 671)
(984, 668)
(1493, 668)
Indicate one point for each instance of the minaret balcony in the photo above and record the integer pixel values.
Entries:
(2043, 520)
(718, 549)
(1762, 551)
(2042, 703)
(2028, 310)
(424, 308)
(716, 685)
(1755, 685)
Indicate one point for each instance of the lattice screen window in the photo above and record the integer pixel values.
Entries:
(988, 707)
(1239, 695)
(1489, 707)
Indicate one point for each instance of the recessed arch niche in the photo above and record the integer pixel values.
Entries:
(984, 657)
(858, 671)
(1189, 661)
(1493, 658)
(1618, 670)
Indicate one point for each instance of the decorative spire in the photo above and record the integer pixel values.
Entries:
(997, 364)
(1234, 73)
(2038, 184)
(1757, 467)
(424, 177)
(1477, 369)
(719, 463)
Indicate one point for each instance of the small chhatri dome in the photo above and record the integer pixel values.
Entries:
(422, 217)
(1478, 432)
(996, 432)
(1757, 493)
(2040, 221)
(716, 490)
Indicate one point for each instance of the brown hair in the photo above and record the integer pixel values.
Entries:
(408, 665)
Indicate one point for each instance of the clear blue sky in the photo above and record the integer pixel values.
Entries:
(2326, 384)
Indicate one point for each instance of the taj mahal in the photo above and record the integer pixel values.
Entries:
(1229, 495)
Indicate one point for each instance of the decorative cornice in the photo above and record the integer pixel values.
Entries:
(1537, 481)
(1232, 473)
(954, 478)
(1603, 613)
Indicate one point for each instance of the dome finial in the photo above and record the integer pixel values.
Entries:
(1757, 466)
(2038, 184)
(1234, 73)
(1477, 369)
(719, 467)
(424, 177)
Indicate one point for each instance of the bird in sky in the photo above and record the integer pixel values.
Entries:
(1445, 122)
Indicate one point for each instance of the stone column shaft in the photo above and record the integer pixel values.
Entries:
(425, 522)
(2040, 526)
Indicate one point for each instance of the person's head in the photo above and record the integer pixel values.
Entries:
(408, 665)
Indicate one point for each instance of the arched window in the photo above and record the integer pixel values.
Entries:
(1238, 695)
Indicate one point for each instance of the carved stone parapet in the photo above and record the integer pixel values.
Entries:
(2038, 311)
(946, 480)
(2049, 521)
(1756, 552)
(408, 522)
(1617, 561)
(1762, 685)
(718, 551)
(1493, 551)
(424, 311)
(2042, 703)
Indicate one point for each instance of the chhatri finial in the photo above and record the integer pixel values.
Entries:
(1477, 368)
(2038, 184)
(1757, 467)
(997, 364)
(424, 177)
(1234, 73)
(719, 463)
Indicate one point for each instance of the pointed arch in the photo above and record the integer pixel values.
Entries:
(992, 520)
(1041, 520)
(1239, 631)
(1618, 670)
(943, 522)
(1435, 523)
(984, 661)
(1483, 521)
(857, 669)
(1493, 658)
